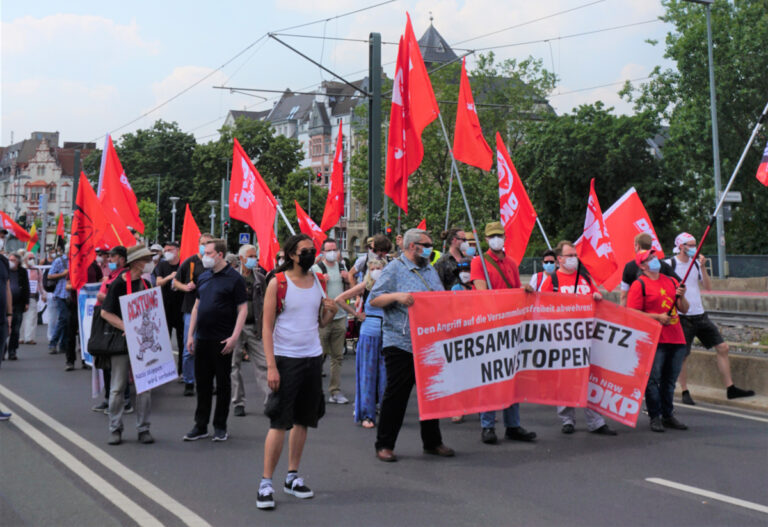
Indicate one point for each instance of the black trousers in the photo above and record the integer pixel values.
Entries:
(73, 329)
(13, 339)
(400, 380)
(209, 362)
(176, 321)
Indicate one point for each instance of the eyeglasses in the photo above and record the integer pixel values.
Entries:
(427, 244)
(569, 255)
(549, 261)
(461, 239)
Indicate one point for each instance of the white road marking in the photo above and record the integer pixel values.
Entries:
(709, 494)
(723, 412)
(141, 484)
(103, 487)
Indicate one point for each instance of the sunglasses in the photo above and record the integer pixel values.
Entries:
(428, 245)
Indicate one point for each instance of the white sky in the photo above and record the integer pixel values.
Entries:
(85, 68)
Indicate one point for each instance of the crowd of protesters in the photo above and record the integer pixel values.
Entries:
(226, 310)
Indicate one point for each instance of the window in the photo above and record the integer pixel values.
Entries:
(64, 195)
(52, 194)
(41, 171)
(343, 239)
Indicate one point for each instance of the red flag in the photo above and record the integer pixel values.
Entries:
(115, 191)
(762, 170)
(422, 225)
(629, 217)
(594, 248)
(469, 145)
(517, 213)
(60, 226)
(413, 108)
(190, 236)
(309, 227)
(14, 228)
(334, 204)
(251, 201)
(89, 225)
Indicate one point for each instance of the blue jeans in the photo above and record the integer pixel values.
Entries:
(510, 415)
(62, 320)
(660, 390)
(188, 360)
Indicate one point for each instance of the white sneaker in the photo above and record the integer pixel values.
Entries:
(338, 398)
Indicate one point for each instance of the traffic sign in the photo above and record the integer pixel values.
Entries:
(245, 237)
(733, 196)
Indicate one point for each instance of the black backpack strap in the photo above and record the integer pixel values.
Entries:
(322, 267)
(555, 285)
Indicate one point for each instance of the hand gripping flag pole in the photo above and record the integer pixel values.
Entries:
(712, 219)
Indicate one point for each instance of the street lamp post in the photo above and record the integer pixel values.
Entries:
(309, 186)
(173, 199)
(212, 203)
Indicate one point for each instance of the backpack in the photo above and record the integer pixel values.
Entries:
(552, 277)
(342, 267)
(672, 266)
(282, 289)
(49, 286)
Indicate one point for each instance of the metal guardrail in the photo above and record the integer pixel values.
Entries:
(739, 318)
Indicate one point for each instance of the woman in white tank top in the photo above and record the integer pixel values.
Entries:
(296, 332)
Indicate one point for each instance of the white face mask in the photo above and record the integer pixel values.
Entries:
(208, 261)
(99, 260)
(464, 277)
(156, 258)
(168, 255)
(280, 262)
(464, 247)
(148, 267)
(31, 262)
(375, 274)
(12, 265)
(331, 256)
(571, 263)
(496, 244)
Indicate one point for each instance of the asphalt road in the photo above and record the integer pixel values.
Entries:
(56, 468)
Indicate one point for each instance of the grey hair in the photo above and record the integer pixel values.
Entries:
(244, 249)
(413, 236)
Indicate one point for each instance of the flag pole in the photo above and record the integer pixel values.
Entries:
(541, 227)
(464, 197)
(712, 218)
(448, 206)
(287, 223)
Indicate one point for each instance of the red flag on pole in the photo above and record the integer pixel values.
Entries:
(762, 170)
(334, 204)
(517, 213)
(116, 193)
(14, 228)
(469, 145)
(251, 201)
(422, 225)
(190, 236)
(60, 226)
(89, 225)
(594, 248)
(309, 227)
(629, 217)
(413, 108)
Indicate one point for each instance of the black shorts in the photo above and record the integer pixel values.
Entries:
(299, 399)
(700, 326)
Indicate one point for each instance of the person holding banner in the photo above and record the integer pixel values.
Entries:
(138, 257)
(409, 273)
(572, 278)
(503, 273)
(548, 264)
(695, 322)
(661, 297)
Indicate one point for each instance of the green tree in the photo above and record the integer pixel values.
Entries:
(680, 96)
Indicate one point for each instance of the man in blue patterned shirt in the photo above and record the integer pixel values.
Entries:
(410, 272)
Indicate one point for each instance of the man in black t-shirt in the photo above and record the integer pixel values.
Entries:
(186, 281)
(643, 242)
(217, 320)
(164, 273)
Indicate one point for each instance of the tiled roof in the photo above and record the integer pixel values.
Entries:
(434, 48)
(290, 107)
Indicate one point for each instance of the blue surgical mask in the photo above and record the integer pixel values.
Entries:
(250, 263)
(112, 266)
(471, 251)
(425, 252)
(202, 249)
(654, 265)
(549, 267)
(690, 251)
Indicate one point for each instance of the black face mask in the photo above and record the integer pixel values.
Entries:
(307, 259)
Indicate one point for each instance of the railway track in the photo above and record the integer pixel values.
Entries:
(739, 318)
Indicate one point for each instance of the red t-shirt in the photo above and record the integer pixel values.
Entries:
(659, 297)
(507, 266)
(565, 283)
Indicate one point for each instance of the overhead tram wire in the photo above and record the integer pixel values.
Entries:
(238, 54)
(638, 79)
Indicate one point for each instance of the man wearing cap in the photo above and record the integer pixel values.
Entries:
(695, 322)
(643, 242)
(164, 273)
(186, 281)
(660, 297)
(503, 274)
(138, 258)
(157, 254)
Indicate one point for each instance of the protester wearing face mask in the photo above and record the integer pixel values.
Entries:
(218, 317)
(59, 272)
(295, 307)
(378, 247)
(186, 281)
(463, 275)
(696, 323)
(102, 260)
(94, 275)
(19, 281)
(409, 273)
(660, 297)
(250, 339)
(446, 265)
(548, 265)
(163, 275)
(36, 293)
(643, 242)
(333, 336)
(370, 372)
(503, 274)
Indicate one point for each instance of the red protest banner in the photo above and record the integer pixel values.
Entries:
(484, 350)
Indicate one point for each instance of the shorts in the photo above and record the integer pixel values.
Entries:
(299, 399)
(700, 326)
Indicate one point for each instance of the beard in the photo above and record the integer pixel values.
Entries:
(420, 261)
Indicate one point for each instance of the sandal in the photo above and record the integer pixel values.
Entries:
(367, 423)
